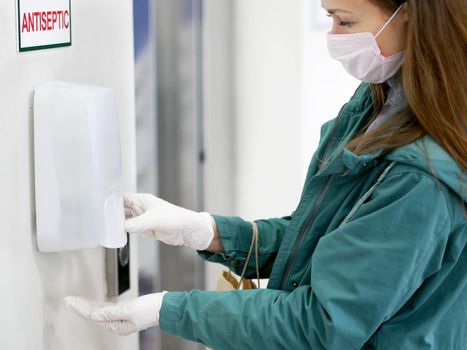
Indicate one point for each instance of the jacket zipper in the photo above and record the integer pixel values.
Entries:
(301, 236)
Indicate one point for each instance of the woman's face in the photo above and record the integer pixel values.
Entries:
(356, 16)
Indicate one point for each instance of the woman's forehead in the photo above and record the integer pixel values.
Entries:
(350, 7)
(341, 5)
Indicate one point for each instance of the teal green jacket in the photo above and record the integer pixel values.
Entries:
(393, 277)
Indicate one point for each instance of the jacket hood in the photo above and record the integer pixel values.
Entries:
(425, 153)
(428, 155)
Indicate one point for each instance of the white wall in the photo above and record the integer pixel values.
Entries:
(268, 78)
(253, 102)
(32, 284)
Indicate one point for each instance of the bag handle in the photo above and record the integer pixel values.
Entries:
(254, 242)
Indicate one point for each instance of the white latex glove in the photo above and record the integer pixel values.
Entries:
(123, 318)
(157, 219)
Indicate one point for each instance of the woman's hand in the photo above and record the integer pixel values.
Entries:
(157, 219)
(216, 245)
(122, 318)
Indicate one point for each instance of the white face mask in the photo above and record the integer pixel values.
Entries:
(361, 56)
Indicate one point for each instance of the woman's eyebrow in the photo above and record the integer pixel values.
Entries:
(332, 11)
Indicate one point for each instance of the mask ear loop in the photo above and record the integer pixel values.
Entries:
(389, 20)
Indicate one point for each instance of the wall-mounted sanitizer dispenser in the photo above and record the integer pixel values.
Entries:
(78, 168)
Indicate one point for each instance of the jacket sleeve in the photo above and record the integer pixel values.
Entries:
(236, 235)
(362, 274)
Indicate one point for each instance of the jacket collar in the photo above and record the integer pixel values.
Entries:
(349, 163)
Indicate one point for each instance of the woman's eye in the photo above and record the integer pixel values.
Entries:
(339, 21)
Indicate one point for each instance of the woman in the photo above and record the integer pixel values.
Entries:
(375, 255)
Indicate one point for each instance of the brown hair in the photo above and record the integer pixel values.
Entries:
(434, 77)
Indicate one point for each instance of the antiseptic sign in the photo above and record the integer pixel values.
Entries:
(43, 24)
